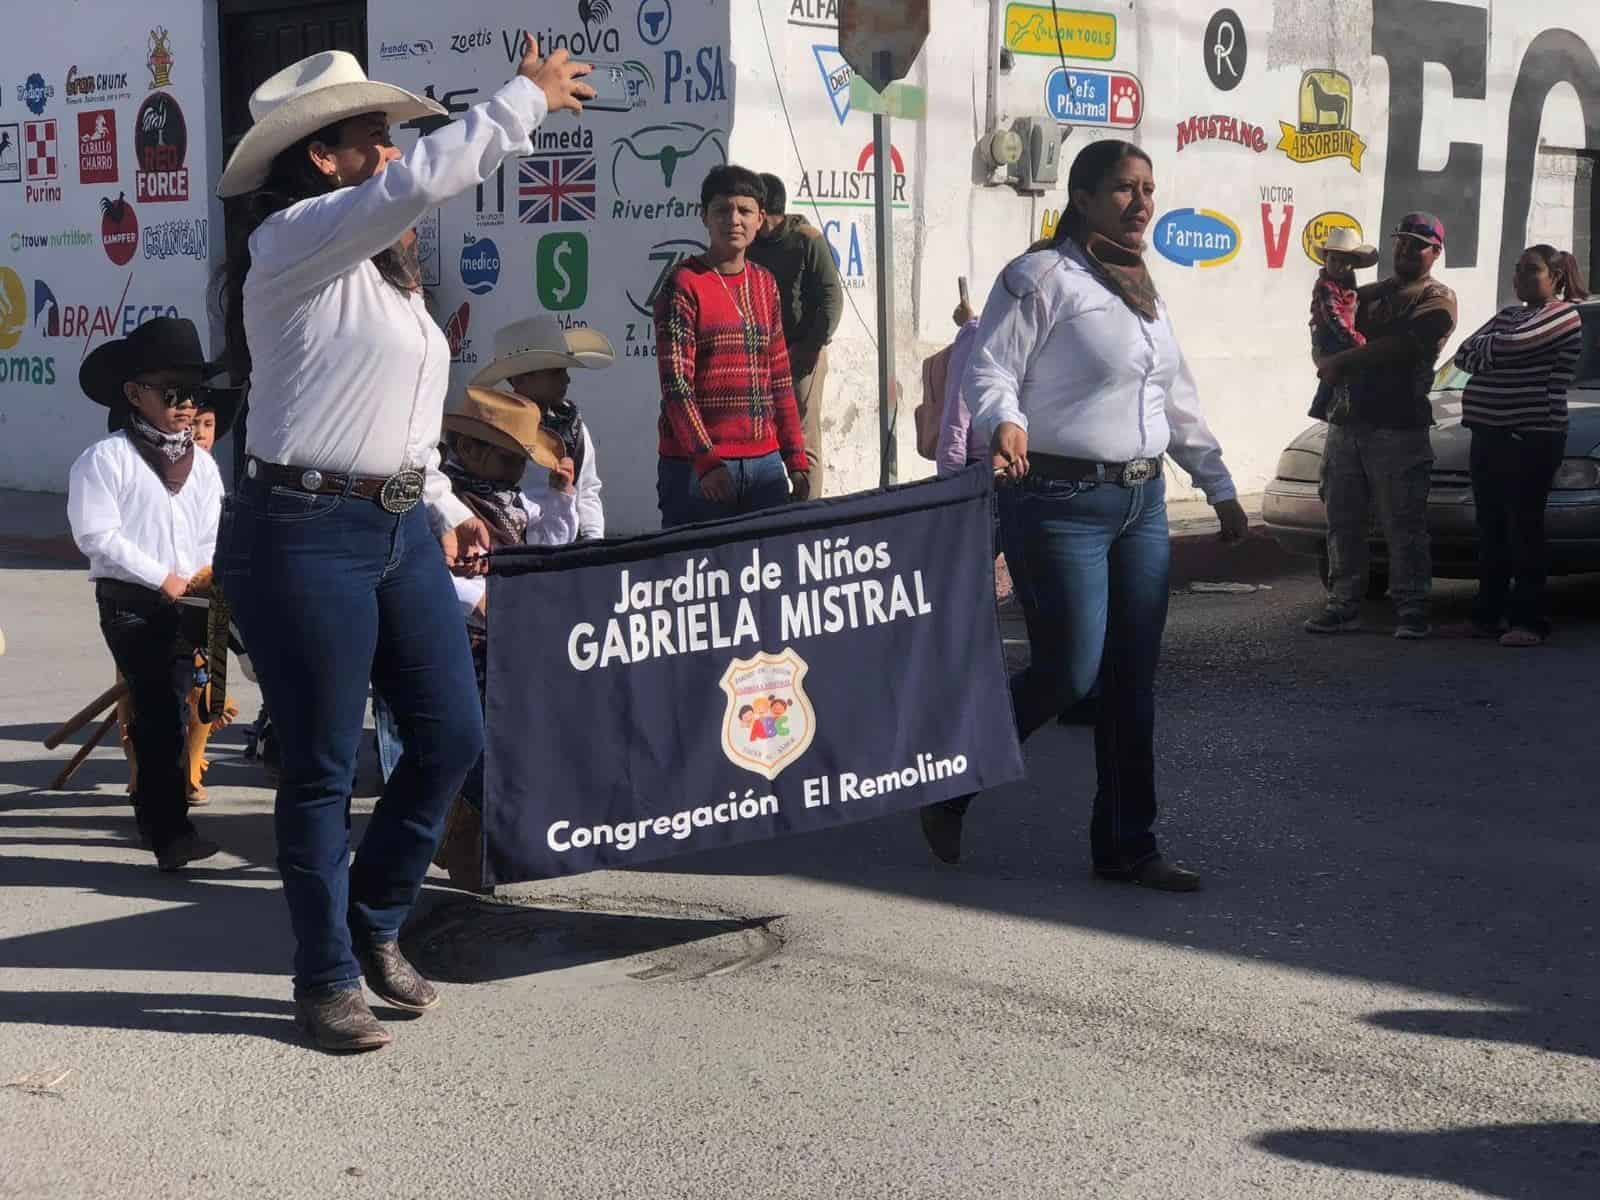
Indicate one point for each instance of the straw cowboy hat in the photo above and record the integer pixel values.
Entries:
(160, 344)
(307, 96)
(541, 344)
(1344, 240)
(506, 421)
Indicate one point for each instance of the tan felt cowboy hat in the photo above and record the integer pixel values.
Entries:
(508, 421)
(541, 344)
(307, 96)
(1344, 240)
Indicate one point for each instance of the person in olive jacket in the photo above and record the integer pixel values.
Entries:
(813, 300)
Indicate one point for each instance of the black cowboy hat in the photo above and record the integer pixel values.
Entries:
(160, 344)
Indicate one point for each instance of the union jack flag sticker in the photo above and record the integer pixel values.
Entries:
(553, 188)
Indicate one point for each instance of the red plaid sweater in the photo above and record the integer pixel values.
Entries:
(725, 385)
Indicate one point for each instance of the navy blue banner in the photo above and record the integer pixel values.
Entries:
(808, 667)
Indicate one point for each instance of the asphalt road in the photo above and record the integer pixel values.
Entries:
(1388, 987)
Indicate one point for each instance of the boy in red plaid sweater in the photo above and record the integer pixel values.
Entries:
(729, 425)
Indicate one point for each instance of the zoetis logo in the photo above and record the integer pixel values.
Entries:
(119, 229)
(97, 146)
(1196, 237)
(645, 163)
(852, 189)
(161, 142)
(1323, 130)
(480, 264)
(1315, 235)
(1222, 129)
(769, 721)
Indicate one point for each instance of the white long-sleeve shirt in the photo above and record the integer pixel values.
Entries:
(591, 514)
(348, 373)
(129, 526)
(552, 521)
(1063, 357)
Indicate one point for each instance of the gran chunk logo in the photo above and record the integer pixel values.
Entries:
(1217, 128)
(161, 142)
(103, 87)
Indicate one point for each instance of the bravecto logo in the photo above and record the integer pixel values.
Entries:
(1196, 237)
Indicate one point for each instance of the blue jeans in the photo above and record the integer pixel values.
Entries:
(1089, 562)
(330, 592)
(758, 483)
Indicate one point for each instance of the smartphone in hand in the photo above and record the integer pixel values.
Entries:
(612, 90)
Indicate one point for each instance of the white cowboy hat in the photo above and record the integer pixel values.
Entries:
(541, 344)
(307, 96)
(1344, 240)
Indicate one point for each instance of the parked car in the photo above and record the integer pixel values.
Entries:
(1292, 510)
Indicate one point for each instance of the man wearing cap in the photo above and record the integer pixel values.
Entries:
(144, 508)
(1378, 450)
(533, 361)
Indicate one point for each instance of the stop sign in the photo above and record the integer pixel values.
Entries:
(871, 29)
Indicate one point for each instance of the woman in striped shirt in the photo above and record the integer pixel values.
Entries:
(1521, 364)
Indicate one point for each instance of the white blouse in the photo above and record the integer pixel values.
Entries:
(129, 526)
(552, 521)
(591, 513)
(348, 373)
(1060, 355)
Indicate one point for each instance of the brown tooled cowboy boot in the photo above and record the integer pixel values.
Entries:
(340, 1021)
(394, 980)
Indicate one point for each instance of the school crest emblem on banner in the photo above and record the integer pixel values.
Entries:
(769, 721)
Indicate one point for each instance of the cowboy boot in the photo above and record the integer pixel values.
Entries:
(194, 750)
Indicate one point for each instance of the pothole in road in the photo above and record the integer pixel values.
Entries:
(476, 940)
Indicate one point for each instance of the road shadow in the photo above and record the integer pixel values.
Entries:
(1518, 1162)
(155, 1012)
(1513, 1026)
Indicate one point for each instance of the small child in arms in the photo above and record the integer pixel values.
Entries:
(1333, 314)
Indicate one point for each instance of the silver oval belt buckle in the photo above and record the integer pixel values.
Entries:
(401, 492)
(1139, 470)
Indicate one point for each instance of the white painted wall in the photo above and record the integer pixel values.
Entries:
(1242, 323)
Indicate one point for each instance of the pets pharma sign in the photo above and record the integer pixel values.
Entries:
(1113, 99)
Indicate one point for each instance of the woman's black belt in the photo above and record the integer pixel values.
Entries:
(1056, 468)
(397, 493)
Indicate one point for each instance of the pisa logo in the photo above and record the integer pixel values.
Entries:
(1196, 237)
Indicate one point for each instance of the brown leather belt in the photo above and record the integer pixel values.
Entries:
(1056, 468)
(397, 493)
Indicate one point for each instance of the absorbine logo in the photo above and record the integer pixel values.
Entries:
(1323, 129)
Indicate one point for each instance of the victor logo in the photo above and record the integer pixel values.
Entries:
(1196, 237)
(1323, 130)
(1222, 129)
(1275, 235)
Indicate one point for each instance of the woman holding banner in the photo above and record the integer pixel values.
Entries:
(329, 551)
(1079, 386)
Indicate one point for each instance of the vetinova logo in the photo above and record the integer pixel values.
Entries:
(1196, 237)
(480, 265)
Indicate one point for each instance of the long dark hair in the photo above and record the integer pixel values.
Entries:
(1094, 162)
(291, 178)
(1561, 264)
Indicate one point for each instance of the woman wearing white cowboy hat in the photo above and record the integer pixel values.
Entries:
(534, 359)
(327, 551)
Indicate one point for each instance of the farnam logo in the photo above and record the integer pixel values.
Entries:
(1196, 237)
(646, 162)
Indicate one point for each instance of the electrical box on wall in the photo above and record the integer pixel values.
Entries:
(1038, 166)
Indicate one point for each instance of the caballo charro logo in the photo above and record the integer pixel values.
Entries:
(769, 720)
(1315, 235)
(1196, 237)
(1323, 127)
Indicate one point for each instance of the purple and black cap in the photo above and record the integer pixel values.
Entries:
(1425, 227)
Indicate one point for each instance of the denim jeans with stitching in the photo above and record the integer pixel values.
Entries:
(758, 483)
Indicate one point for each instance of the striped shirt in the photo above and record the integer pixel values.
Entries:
(1521, 363)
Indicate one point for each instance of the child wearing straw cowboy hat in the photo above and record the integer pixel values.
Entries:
(330, 549)
(144, 506)
(533, 360)
(1333, 312)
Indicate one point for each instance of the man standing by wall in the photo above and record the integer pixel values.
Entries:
(813, 299)
(1380, 452)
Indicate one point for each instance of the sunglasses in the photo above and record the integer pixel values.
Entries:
(172, 397)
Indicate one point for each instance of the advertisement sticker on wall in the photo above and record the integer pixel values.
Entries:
(1110, 98)
(1196, 237)
(1077, 34)
(1315, 235)
(1323, 127)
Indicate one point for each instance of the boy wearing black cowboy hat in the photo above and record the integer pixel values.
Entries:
(144, 508)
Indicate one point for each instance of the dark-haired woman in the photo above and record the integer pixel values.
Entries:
(330, 549)
(1522, 363)
(1079, 385)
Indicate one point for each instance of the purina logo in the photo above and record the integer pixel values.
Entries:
(35, 93)
(393, 51)
(836, 75)
(1196, 237)
(480, 265)
(40, 161)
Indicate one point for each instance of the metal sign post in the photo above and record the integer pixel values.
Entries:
(883, 232)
